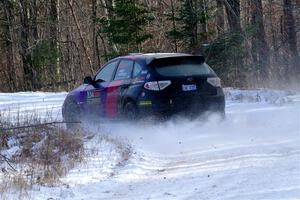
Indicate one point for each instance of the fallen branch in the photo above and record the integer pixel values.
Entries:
(8, 161)
(36, 125)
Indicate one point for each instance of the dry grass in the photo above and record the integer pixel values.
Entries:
(40, 153)
(49, 152)
(35, 153)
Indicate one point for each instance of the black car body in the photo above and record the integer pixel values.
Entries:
(147, 84)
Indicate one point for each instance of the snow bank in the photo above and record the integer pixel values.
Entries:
(21, 105)
(278, 97)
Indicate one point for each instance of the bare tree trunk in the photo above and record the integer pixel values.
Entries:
(104, 46)
(174, 25)
(70, 2)
(273, 31)
(194, 25)
(291, 37)
(203, 21)
(8, 9)
(260, 48)
(33, 16)
(233, 15)
(33, 10)
(96, 50)
(220, 16)
(234, 21)
(24, 51)
(53, 30)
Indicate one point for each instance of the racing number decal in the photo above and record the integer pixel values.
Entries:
(93, 96)
(90, 94)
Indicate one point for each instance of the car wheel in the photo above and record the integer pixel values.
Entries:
(130, 111)
(72, 115)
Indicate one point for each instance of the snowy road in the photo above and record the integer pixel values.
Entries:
(253, 154)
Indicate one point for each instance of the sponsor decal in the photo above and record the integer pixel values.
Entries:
(144, 71)
(145, 103)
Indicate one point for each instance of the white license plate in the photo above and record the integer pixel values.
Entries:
(192, 87)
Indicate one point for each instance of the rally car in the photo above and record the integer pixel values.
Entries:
(139, 85)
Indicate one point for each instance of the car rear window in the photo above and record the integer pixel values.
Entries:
(183, 67)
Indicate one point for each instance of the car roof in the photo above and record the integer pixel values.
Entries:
(149, 57)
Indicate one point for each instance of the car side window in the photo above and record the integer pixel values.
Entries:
(137, 70)
(124, 70)
(107, 72)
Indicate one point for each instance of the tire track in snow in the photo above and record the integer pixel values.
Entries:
(221, 160)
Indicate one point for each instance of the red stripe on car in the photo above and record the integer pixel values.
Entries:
(112, 99)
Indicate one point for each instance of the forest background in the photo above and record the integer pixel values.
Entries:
(52, 45)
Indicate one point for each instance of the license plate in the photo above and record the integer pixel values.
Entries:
(192, 87)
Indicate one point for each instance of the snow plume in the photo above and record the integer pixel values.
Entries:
(256, 123)
(257, 148)
(252, 117)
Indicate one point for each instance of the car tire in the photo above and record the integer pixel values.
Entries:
(130, 111)
(72, 115)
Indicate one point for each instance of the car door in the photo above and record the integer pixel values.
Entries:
(118, 87)
(97, 92)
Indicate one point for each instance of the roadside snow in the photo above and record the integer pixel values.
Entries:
(104, 157)
(277, 97)
(21, 105)
(253, 154)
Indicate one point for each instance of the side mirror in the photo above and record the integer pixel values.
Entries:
(88, 80)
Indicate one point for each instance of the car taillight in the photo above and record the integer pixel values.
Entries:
(214, 81)
(157, 85)
(151, 85)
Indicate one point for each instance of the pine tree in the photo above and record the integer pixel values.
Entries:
(174, 34)
(189, 16)
(189, 24)
(126, 28)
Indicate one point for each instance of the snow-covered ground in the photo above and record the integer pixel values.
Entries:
(18, 106)
(253, 154)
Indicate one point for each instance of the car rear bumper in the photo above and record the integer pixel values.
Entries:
(182, 105)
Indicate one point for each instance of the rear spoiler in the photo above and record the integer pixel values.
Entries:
(151, 61)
